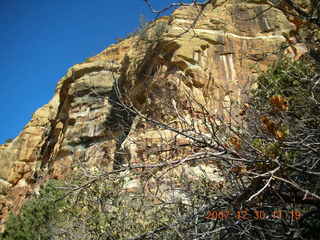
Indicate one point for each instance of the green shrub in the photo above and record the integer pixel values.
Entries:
(37, 218)
(9, 140)
(148, 32)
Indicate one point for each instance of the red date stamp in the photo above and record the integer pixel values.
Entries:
(245, 214)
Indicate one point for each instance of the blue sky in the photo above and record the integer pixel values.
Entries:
(41, 39)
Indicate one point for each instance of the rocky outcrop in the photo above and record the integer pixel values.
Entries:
(213, 60)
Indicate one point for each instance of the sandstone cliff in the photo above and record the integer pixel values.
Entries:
(213, 60)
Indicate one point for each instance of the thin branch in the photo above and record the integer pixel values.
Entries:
(297, 187)
(261, 190)
(194, 157)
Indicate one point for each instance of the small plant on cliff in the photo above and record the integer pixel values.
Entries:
(153, 33)
(148, 32)
(37, 219)
(9, 140)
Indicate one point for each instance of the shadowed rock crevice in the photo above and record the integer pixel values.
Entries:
(119, 122)
(61, 123)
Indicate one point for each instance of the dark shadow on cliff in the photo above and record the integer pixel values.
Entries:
(120, 119)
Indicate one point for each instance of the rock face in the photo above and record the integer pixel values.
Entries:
(212, 60)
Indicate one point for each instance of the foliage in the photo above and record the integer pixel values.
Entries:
(105, 211)
(37, 218)
(112, 213)
(288, 94)
(148, 32)
(287, 103)
(271, 163)
(9, 140)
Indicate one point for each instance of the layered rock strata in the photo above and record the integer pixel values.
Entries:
(211, 59)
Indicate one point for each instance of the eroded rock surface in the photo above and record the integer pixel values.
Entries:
(213, 60)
